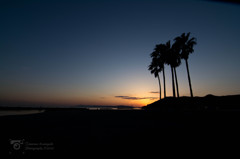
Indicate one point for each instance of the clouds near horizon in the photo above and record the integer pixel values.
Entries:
(155, 92)
(135, 98)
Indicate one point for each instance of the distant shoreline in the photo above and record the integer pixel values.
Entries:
(7, 111)
(89, 107)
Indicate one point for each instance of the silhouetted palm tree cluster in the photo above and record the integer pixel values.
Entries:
(172, 55)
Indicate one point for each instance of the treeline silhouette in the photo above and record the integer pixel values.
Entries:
(172, 55)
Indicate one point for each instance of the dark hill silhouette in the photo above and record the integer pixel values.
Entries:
(209, 102)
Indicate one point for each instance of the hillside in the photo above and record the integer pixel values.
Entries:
(209, 102)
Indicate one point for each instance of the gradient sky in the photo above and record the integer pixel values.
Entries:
(97, 52)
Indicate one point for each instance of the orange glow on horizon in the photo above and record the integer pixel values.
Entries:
(71, 102)
(135, 99)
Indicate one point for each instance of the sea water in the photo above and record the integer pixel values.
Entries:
(19, 112)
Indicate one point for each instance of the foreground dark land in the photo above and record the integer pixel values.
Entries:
(124, 132)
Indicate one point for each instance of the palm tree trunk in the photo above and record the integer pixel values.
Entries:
(160, 92)
(176, 81)
(173, 83)
(164, 84)
(189, 79)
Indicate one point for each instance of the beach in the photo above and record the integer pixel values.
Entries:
(121, 131)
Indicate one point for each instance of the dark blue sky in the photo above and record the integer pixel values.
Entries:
(88, 52)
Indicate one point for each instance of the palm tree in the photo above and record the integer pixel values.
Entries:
(186, 46)
(160, 54)
(154, 68)
(176, 62)
(170, 61)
